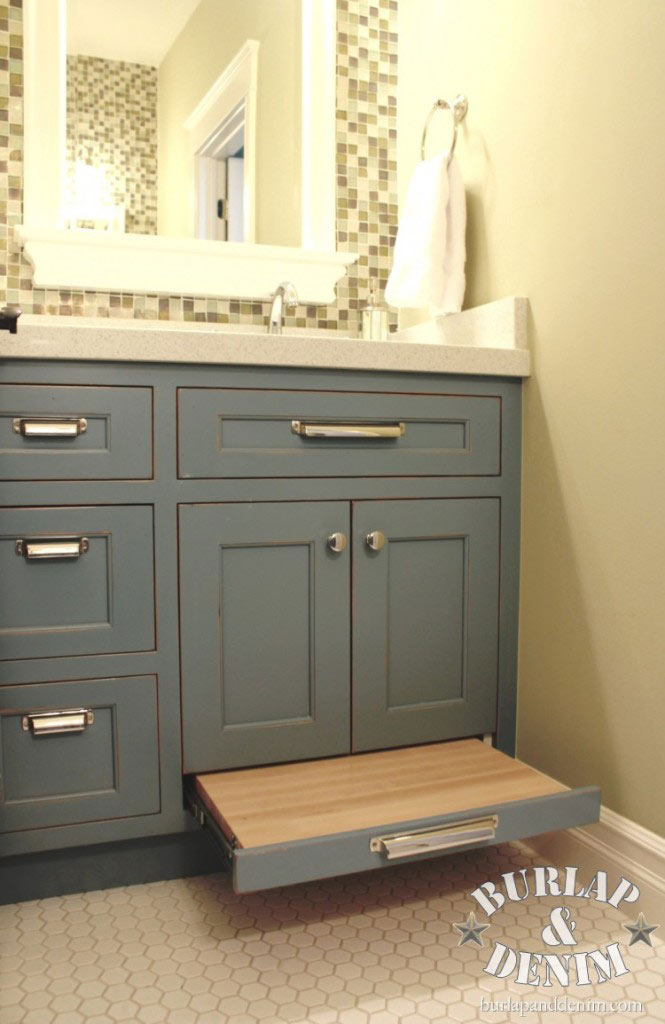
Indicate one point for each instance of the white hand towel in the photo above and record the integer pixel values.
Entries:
(430, 251)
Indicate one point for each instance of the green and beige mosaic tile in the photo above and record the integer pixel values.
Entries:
(14, 278)
(366, 128)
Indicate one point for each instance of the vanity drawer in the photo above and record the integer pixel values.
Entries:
(78, 751)
(228, 432)
(76, 581)
(75, 433)
(290, 823)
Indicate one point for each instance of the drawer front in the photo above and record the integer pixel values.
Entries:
(362, 850)
(75, 433)
(78, 751)
(226, 432)
(76, 581)
(283, 824)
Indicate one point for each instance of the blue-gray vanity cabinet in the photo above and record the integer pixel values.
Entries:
(226, 596)
(426, 620)
(265, 640)
(78, 751)
(76, 581)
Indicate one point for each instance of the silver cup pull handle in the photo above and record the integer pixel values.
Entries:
(50, 427)
(375, 540)
(53, 723)
(40, 551)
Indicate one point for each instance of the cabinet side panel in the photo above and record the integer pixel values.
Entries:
(511, 446)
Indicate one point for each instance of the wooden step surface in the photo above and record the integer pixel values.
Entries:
(288, 802)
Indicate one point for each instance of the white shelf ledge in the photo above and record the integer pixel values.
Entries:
(155, 264)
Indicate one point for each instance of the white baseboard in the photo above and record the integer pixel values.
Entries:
(613, 843)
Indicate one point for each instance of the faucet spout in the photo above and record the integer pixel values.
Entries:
(285, 297)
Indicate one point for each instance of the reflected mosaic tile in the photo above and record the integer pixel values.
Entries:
(366, 135)
(374, 948)
(112, 129)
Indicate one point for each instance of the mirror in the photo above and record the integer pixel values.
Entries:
(190, 146)
(167, 134)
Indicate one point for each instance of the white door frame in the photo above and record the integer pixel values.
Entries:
(236, 86)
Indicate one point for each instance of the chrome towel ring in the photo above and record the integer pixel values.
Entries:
(458, 108)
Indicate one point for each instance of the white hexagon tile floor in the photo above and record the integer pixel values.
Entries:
(377, 948)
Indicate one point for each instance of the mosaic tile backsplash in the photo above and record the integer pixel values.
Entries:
(112, 130)
(366, 133)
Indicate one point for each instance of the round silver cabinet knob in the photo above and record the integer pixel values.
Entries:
(337, 542)
(375, 540)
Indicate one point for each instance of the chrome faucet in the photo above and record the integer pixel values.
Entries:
(285, 297)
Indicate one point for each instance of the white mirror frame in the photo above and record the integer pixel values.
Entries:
(105, 261)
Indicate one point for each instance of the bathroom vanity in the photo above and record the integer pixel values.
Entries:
(276, 601)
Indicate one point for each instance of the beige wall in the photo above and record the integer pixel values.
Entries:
(212, 37)
(563, 153)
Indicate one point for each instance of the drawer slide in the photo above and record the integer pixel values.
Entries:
(289, 823)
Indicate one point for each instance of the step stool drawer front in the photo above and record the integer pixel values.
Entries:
(76, 580)
(75, 433)
(226, 432)
(78, 751)
(282, 824)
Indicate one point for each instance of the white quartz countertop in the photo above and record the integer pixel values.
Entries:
(479, 343)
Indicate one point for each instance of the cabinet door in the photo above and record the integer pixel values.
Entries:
(265, 633)
(425, 634)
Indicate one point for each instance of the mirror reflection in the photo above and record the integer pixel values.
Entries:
(183, 118)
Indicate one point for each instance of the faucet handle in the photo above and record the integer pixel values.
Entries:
(290, 294)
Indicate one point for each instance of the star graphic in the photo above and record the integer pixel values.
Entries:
(470, 930)
(640, 931)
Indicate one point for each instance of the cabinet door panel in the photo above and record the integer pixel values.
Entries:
(265, 633)
(425, 633)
